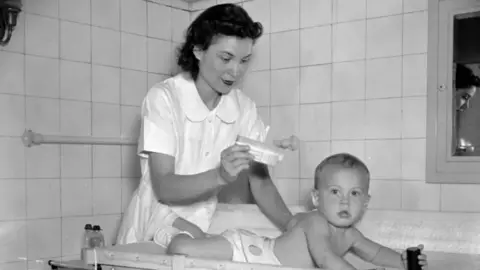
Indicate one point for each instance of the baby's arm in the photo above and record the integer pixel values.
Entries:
(318, 240)
(373, 252)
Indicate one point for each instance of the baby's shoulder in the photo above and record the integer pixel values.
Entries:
(353, 235)
(313, 221)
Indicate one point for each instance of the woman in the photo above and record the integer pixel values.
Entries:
(189, 125)
(466, 84)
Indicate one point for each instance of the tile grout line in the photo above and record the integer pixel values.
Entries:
(401, 104)
(332, 56)
(299, 153)
(25, 150)
(60, 147)
(91, 148)
(120, 94)
(365, 66)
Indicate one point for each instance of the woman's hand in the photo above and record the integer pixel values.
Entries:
(234, 159)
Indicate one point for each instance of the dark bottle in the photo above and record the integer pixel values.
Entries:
(412, 258)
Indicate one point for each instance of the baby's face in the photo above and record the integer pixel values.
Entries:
(343, 195)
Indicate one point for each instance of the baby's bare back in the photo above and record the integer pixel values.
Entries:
(291, 248)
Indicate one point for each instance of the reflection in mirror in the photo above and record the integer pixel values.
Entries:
(466, 82)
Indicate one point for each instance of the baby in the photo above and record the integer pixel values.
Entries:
(321, 238)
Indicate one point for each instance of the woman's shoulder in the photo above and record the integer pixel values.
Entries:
(244, 101)
(162, 89)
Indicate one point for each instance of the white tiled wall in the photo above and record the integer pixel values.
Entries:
(350, 75)
(344, 75)
(75, 67)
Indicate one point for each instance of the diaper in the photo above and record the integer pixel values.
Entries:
(249, 247)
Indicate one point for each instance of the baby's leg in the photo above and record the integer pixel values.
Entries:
(215, 247)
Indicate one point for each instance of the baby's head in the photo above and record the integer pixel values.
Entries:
(341, 189)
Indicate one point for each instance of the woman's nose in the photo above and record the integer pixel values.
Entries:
(234, 69)
(464, 104)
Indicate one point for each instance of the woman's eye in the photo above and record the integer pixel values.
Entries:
(225, 58)
(334, 191)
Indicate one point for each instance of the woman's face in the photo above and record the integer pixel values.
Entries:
(223, 65)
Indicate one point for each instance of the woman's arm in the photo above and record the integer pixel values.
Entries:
(267, 196)
(174, 189)
(187, 189)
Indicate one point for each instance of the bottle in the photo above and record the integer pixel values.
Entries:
(98, 239)
(100, 235)
(87, 234)
(412, 258)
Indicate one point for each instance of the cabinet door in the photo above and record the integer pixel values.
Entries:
(445, 163)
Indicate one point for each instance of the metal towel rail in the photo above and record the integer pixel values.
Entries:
(31, 138)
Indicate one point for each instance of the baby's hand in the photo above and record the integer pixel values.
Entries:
(185, 225)
(422, 259)
(291, 143)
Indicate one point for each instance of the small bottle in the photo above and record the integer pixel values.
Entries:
(97, 240)
(102, 238)
(87, 234)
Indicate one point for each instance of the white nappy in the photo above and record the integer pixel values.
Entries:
(249, 247)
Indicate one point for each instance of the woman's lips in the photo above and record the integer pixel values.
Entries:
(228, 82)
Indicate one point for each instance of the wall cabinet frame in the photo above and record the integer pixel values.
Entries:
(441, 165)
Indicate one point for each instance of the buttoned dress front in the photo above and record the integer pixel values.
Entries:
(176, 122)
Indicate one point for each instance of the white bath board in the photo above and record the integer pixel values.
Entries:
(452, 240)
(149, 257)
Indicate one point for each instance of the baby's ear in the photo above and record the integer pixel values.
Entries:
(367, 201)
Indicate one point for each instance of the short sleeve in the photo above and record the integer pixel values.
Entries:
(157, 133)
(253, 126)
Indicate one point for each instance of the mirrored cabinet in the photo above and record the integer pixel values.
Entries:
(453, 98)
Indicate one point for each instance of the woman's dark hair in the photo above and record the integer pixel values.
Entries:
(218, 20)
(465, 78)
